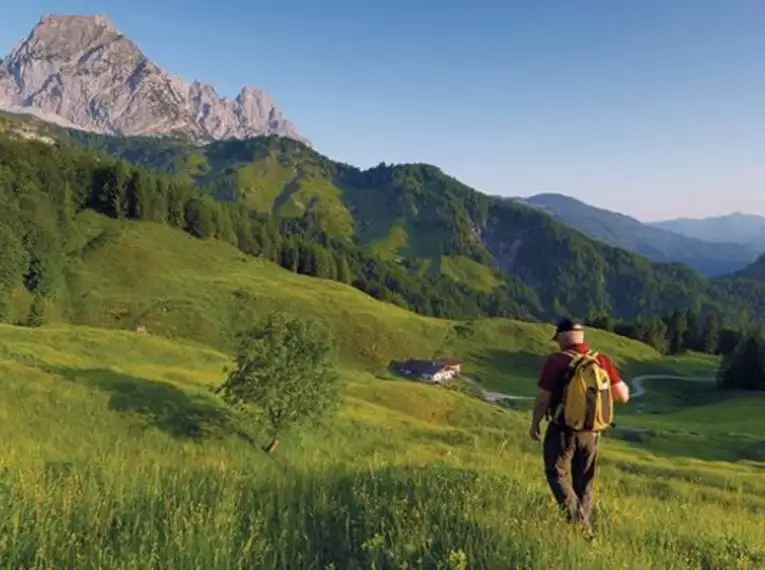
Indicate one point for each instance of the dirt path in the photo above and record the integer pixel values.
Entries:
(639, 389)
(636, 383)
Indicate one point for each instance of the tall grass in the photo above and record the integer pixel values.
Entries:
(113, 512)
(114, 455)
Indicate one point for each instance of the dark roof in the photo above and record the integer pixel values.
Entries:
(421, 366)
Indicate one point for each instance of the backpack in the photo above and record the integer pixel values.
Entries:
(583, 400)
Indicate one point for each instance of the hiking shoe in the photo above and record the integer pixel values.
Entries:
(588, 533)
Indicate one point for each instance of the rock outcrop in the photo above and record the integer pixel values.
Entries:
(82, 71)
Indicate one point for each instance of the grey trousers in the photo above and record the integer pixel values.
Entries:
(564, 447)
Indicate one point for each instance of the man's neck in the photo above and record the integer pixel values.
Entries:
(579, 346)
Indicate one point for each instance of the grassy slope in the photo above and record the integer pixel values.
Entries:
(463, 269)
(115, 455)
(285, 178)
(319, 194)
(127, 274)
(261, 183)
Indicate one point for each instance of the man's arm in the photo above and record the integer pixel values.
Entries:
(546, 383)
(620, 392)
(541, 404)
(619, 389)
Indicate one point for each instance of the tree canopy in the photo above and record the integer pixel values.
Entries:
(283, 374)
(744, 368)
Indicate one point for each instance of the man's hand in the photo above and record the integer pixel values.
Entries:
(541, 405)
(620, 392)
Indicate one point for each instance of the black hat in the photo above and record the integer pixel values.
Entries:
(566, 325)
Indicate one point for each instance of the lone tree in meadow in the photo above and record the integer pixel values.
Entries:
(283, 374)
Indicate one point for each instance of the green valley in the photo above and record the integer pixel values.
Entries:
(116, 455)
(485, 256)
(122, 295)
(235, 335)
(417, 213)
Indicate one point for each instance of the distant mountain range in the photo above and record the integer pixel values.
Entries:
(746, 229)
(81, 71)
(659, 242)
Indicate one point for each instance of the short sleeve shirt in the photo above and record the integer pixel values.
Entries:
(556, 364)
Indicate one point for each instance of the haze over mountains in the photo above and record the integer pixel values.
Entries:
(746, 229)
(713, 246)
(82, 71)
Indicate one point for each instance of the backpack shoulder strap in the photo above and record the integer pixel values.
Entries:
(556, 401)
(581, 359)
(576, 360)
(589, 357)
(574, 356)
(561, 381)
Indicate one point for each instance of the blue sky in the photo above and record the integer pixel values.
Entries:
(655, 108)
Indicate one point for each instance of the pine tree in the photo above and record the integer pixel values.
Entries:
(199, 218)
(655, 334)
(744, 369)
(691, 334)
(711, 334)
(343, 271)
(677, 329)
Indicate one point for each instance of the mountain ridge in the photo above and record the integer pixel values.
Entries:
(84, 70)
(712, 259)
(755, 271)
(739, 227)
(424, 221)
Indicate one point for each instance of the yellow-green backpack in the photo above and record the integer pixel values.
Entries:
(587, 404)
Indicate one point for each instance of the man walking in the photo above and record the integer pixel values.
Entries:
(577, 389)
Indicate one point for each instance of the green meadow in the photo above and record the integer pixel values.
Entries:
(115, 454)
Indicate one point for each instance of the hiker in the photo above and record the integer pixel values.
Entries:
(577, 412)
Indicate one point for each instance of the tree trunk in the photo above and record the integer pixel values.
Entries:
(272, 445)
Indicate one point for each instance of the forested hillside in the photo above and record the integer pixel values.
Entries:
(755, 270)
(408, 234)
(43, 186)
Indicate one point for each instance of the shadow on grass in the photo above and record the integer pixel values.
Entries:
(411, 517)
(420, 517)
(163, 405)
(679, 444)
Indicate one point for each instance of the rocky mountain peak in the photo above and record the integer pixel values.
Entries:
(81, 70)
(61, 37)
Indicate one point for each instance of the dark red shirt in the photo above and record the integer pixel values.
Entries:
(556, 364)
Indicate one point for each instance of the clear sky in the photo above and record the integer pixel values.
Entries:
(655, 108)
